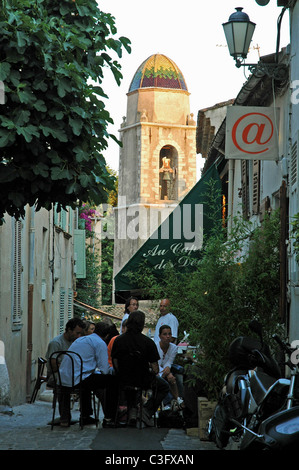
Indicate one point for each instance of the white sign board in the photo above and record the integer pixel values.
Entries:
(252, 133)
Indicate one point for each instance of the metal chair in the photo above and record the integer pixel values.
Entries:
(40, 379)
(131, 389)
(63, 392)
(130, 393)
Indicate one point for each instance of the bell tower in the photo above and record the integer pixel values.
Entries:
(157, 165)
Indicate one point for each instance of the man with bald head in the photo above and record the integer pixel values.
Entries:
(167, 318)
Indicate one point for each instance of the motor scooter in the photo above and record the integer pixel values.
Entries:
(258, 408)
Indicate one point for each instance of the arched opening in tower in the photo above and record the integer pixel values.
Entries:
(168, 169)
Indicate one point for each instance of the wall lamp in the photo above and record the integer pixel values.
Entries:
(238, 32)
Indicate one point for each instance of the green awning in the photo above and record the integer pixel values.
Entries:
(177, 240)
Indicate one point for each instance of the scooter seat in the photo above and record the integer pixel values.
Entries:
(232, 379)
(260, 382)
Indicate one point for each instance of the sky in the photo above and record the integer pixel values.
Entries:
(191, 34)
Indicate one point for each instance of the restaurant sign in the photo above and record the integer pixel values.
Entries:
(178, 241)
(252, 133)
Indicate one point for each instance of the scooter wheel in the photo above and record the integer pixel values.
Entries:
(220, 427)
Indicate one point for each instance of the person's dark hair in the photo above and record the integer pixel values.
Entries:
(163, 327)
(102, 329)
(113, 331)
(73, 322)
(87, 323)
(128, 303)
(135, 321)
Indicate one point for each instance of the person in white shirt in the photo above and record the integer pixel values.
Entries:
(167, 351)
(96, 375)
(167, 318)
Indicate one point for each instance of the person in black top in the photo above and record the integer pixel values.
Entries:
(135, 358)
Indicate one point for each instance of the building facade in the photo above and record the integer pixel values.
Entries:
(37, 282)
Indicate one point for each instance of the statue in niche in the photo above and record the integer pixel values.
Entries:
(168, 178)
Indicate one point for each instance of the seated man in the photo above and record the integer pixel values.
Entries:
(73, 330)
(96, 375)
(133, 354)
(168, 351)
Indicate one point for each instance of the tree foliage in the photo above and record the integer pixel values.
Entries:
(236, 280)
(53, 125)
(89, 288)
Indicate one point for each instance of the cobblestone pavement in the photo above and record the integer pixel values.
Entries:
(27, 429)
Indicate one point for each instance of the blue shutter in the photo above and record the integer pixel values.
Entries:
(80, 253)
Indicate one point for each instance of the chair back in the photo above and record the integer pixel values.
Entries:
(133, 369)
(72, 356)
(41, 378)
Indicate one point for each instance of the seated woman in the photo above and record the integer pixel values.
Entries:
(110, 344)
(89, 327)
(168, 351)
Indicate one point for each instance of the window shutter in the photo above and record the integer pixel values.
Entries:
(294, 166)
(63, 220)
(70, 220)
(80, 253)
(256, 187)
(245, 188)
(17, 273)
(70, 304)
(61, 310)
(56, 215)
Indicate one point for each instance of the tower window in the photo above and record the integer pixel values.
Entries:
(168, 178)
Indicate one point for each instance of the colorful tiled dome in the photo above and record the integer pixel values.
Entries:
(158, 71)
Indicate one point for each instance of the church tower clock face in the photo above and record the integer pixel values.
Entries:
(157, 164)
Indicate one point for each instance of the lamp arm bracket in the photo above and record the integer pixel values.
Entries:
(274, 70)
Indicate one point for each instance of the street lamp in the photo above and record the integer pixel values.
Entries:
(238, 32)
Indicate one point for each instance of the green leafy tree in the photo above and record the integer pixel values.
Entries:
(96, 289)
(88, 289)
(53, 125)
(107, 270)
(294, 234)
(236, 280)
(261, 273)
(108, 246)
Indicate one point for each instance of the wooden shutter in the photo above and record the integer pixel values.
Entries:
(56, 215)
(70, 304)
(294, 166)
(61, 310)
(70, 220)
(255, 186)
(245, 188)
(17, 273)
(80, 253)
(63, 217)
